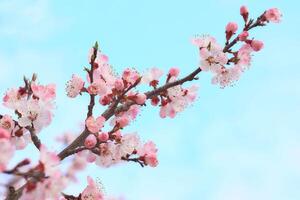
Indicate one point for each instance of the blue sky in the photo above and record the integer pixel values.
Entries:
(238, 143)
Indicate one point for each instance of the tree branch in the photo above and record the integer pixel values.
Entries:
(114, 110)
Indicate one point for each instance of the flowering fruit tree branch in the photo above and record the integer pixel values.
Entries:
(33, 105)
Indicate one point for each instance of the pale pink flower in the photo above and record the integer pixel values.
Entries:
(273, 15)
(244, 56)
(90, 141)
(151, 160)
(147, 148)
(92, 192)
(45, 93)
(129, 143)
(94, 125)
(74, 86)
(212, 59)
(130, 75)
(151, 75)
(228, 76)
(257, 45)
(109, 155)
(35, 112)
(7, 123)
(119, 85)
(99, 87)
(12, 97)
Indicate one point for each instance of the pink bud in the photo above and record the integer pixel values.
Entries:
(243, 36)
(257, 45)
(174, 71)
(231, 27)
(244, 12)
(119, 85)
(140, 98)
(90, 141)
(103, 137)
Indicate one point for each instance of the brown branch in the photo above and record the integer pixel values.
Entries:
(134, 160)
(36, 141)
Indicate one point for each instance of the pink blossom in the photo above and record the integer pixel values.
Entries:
(103, 137)
(109, 154)
(7, 123)
(90, 141)
(91, 192)
(94, 125)
(130, 75)
(129, 143)
(119, 85)
(244, 55)
(140, 98)
(151, 160)
(101, 59)
(212, 57)
(273, 15)
(152, 75)
(12, 97)
(228, 76)
(35, 112)
(243, 36)
(174, 71)
(148, 148)
(74, 86)
(46, 93)
(257, 45)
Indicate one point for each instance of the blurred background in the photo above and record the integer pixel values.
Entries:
(238, 143)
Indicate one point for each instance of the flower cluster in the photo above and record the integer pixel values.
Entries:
(226, 64)
(33, 105)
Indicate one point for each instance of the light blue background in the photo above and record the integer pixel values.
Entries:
(240, 143)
